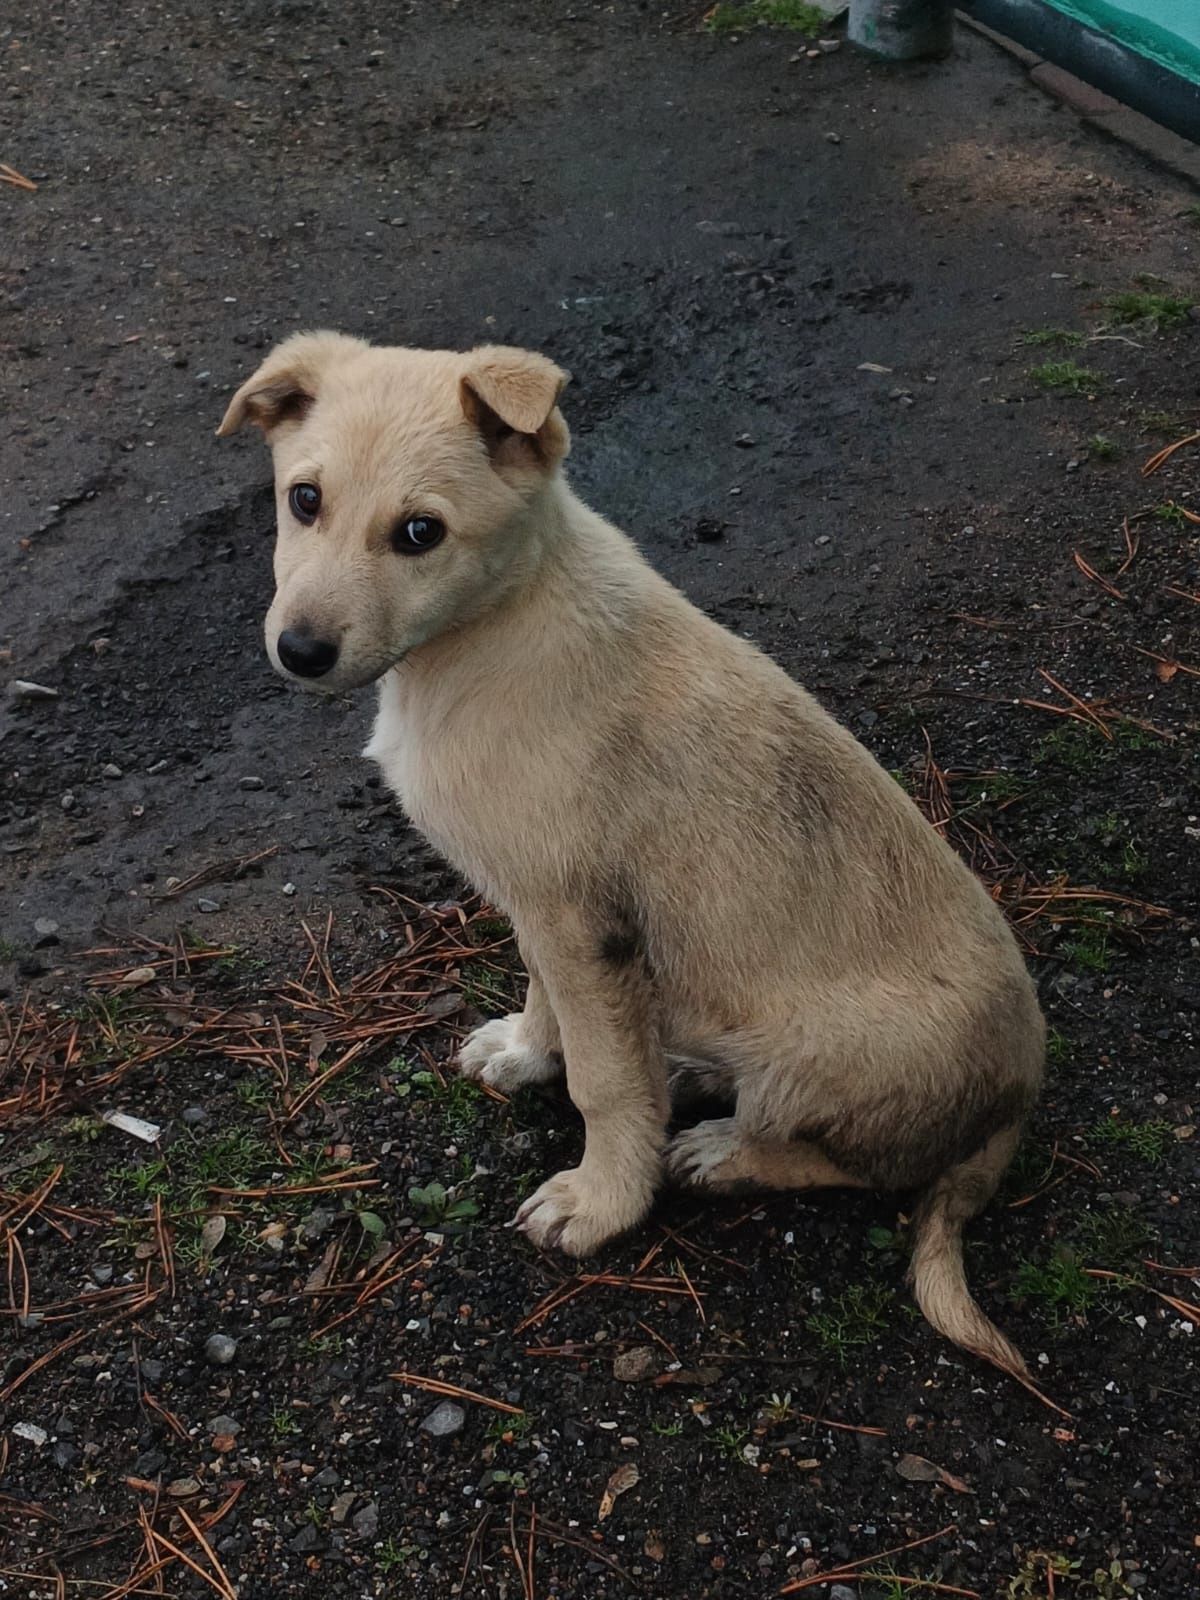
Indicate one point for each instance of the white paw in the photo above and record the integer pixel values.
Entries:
(705, 1156)
(573, 1213)
(496, 1054)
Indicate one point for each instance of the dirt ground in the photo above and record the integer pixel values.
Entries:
(847, 364)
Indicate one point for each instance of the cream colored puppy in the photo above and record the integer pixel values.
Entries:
(700, 864)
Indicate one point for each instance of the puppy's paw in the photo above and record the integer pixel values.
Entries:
(572, 1213)
(706, 1156)
(496, 1054)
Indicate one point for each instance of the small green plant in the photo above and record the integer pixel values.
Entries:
(485, 988)
(1152, 310)
(1088, 948)
(392, 1556)
(1114, 1237)
(1038, 1571)
(1168, 422)
(1060, 1285)
(779, 1408)
(1068, 377)
(1078, 749)
(327, 1344)
(794, 15)
(1058, 1048)
(1103, 448)
(8, 950)
(1148, 1141)
(435, 1205)
(511, 1430)
(1047, 336)
(86, 1129)
(854, 1319)
(458, 1099)
(1108, 1583)
(284, 1423)
(148, 1180)
(1174, 516)
(731, 1442)
(993, 788)
(667, 1430)
(253, 1092)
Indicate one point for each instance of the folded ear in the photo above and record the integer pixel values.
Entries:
(286, 384)
(512, 397)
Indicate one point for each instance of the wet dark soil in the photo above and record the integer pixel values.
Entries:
(724, 244)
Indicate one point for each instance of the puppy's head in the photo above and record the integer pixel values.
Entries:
(404, 480)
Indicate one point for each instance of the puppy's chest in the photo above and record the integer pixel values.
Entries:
(459, 788)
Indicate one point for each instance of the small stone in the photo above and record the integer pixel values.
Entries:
(181, 1488)
(744, 441)
(110, 769)
(102, 1275)
(841, 1591)
(828, 46)
(193, 1116)
(67, 801)
(1072, 466)
(444, 1420)
(328, 1478)
(45, 931)
(65, 1455)
(250, 783)
(225, 1425)
(833, 138)
(220, 1349)
(307, 1541)
(289, 889)
(340, 1509)
(316, 1223)
(366, 1521)
(30, 1430)
(21, 689)
(632, 1366)
(204, 904)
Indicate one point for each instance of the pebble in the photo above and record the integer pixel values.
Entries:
(307, 1540)
(327, 1478)
(102, 1275)
(631, 1366)
(65, 1455)
(204, 904)
(110, 769)
(45, 931)
(340, 1509)
(193, 1116)
(181, 1488)
(841, 1591)
(289, 888)
(67, 802)
(444, 1421)
(250, 783)
(220, 1349)
(366, 1521)
(225, 1425)
(30, 1431)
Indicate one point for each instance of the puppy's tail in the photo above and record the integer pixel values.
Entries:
(936, 1273)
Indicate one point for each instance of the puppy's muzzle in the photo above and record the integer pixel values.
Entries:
(304, 655)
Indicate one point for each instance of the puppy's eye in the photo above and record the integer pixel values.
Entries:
(305, 501)
(416, 535)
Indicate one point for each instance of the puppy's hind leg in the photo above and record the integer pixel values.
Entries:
(512, 1052)
(721, 1156)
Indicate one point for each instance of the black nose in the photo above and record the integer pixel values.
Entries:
(305, 656)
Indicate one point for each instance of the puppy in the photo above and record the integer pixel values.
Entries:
(701, 866)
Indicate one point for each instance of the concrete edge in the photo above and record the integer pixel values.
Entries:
(1100, 111)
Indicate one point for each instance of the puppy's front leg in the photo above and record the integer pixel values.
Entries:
(524, 1048)
(616, 1075)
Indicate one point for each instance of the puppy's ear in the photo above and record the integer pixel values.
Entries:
(512, 398)
(286, 384)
